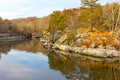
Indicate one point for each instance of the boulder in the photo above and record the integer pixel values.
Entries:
(75, 49)
(110, 47)
(101, 46)
(62, 39)
(95, 52)
(98, 52)
(83, 35)
(77, 36)
(61, 47)
(101, 52)
(83, 47)
(112, 53)
(78, 41)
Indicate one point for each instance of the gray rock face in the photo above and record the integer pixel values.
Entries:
(63, 38)
(98, 52)
(113, 53)
(55, 36)
(110, 47)
(79, 41)
(83, 35)
(75, 49)
(101, 46)
(101, 52)
(61, 47)
(77, 36)
(95, 52)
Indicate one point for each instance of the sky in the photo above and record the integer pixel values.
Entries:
(11, 9)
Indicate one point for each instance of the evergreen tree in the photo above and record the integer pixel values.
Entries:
(90, 4)
(56, 24)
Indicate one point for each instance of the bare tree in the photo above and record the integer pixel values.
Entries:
(117, 25)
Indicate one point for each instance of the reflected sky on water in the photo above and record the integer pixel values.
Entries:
(22, 65)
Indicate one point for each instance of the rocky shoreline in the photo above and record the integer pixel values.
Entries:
(95, 44)
(96, 52)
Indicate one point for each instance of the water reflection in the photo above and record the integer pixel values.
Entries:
(24, 63)
(33, 46)
(6, 46)
(25, 66)
(74, 68)
(28, 60)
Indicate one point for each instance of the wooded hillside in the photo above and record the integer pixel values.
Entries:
(86, 18)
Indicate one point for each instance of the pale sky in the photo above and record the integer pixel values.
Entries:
(25, 8)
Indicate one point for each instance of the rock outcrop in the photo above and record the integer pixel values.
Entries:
(94, 44)
(98, 52)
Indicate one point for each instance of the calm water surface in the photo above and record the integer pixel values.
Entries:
(30, 61)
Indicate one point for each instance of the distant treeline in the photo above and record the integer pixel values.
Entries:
(30, 25)
(101, 17)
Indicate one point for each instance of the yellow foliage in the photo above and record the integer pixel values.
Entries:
(116, 45)
(86, 43)
(99, 42)
(99, 38)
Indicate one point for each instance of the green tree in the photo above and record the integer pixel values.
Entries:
(56, 24)
(91, 4)
(71, 19)
(85, 17)
(71, 24)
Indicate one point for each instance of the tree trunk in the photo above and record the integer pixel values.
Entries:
(116, 26)
(113, 20)
(91, 21)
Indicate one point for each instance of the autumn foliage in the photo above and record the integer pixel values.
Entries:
(99, 39)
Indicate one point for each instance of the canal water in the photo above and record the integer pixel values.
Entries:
(28, 60)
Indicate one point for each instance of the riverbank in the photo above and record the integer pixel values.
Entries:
(16, 36)
(97, 52)
(97, 44)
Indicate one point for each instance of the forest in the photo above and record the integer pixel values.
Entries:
(65, 39)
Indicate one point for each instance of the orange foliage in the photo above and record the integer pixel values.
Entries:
(100, 38)
(83, 30)
(98, 42)
(110, 39)
(86, 43)
(116, 45)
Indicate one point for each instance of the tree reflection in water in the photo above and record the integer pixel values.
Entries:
(74, 68)
(33, 46)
